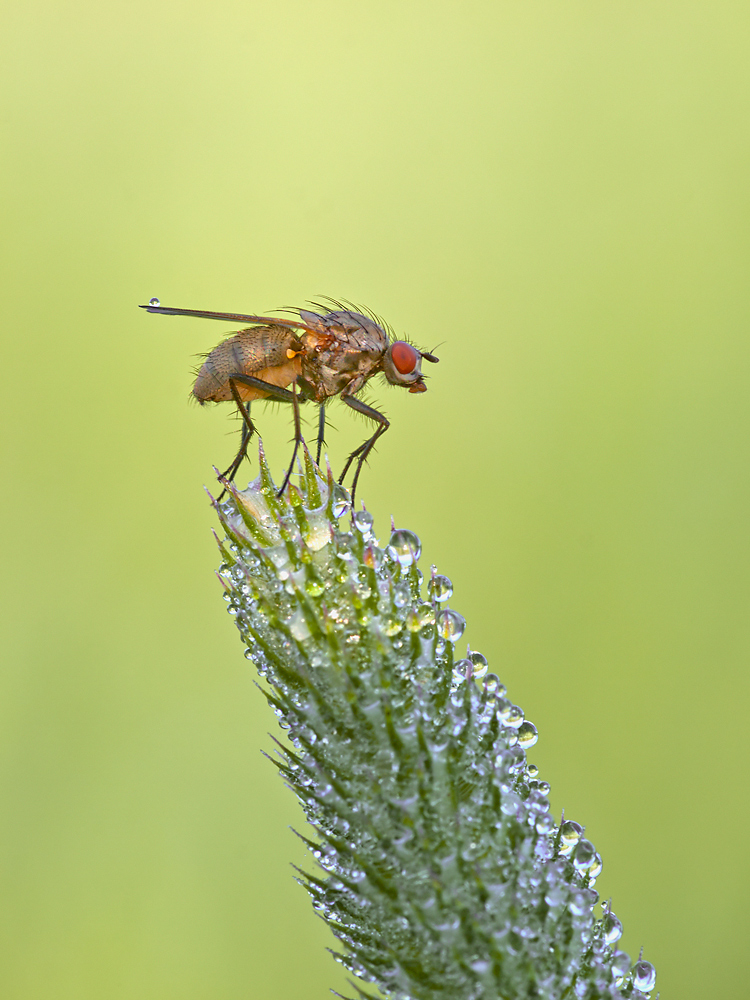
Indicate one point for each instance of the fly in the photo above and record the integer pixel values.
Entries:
(321, 354)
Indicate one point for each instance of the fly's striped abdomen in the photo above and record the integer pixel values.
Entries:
(260, 351)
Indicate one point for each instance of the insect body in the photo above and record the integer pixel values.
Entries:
(269, 353)
(323, 354)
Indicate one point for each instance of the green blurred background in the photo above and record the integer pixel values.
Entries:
(555, 192)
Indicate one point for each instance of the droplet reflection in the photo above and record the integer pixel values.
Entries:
(644, 976)
(440, 588)
(405, 547)
(451, 625)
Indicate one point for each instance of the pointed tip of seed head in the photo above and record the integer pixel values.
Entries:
(267, 485)
(229, 487)
(294, 496)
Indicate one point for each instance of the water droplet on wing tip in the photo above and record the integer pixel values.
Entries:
(154, 302)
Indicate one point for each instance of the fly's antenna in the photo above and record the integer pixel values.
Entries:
(429, 356)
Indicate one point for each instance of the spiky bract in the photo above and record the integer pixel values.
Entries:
(441, 869)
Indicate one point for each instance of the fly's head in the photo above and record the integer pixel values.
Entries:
(402, 365)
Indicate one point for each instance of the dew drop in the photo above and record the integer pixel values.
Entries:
(570, 834)
(492, 685)
(596, 868)
(510, 736)
(461, 667)
(440, 588)
(405, 547)
(373, 557)
(532, 770)
(556, 895)
(612, 928)
(479, 664)
(644, 976)
(401, 594)
(579, 904)
(537, 802)
(363, 521)
(413, 620)
(513, 717)
(480, 966)
(545, 823)
(342, 501)
(527, 735)
(426, 614)
(314, 587)
(393, 626)
(450, 625)
(154, 302)
(584, 855)
(620, 966)
(510, 804)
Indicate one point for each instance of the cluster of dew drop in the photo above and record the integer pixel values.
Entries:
(433, 830)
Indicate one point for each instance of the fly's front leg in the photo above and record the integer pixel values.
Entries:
(364, 449)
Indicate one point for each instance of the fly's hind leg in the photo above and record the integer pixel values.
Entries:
(361, 453)
(248, 429)
(233, 469)
(274, 392)
(321, 432)
(297, 439)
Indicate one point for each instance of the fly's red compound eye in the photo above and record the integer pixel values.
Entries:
(404, 356)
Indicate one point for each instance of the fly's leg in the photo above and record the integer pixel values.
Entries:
(233, 469)
(364, 449)
(321, 432)
(248, 429)
(274, 392)
(297, 439)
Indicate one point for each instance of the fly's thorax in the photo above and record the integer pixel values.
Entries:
(349, 349)
(248, 352)
(334, 368)
(344, 324)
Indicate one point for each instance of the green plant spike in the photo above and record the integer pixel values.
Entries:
(440, 870)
